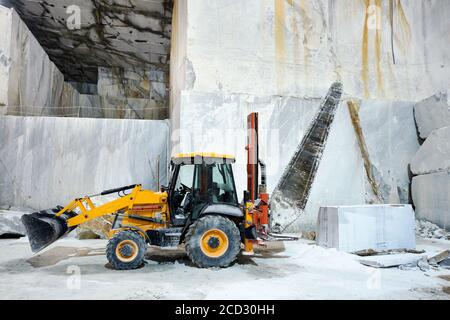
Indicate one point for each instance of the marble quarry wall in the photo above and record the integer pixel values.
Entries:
(431, 164)
(133, 93)
(82, 35)
(279, 57)
(45, 161)
(48, 160)
(389, 50)
(30, 83)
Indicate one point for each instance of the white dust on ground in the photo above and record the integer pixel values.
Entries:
(297, 270)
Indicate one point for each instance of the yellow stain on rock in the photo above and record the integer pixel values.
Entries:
(403, 19)
(280, 41)
(294, 26)
(307, 23)
(405, 28)
(373, 17)
(279, 29)
(353, 109)
(378, 50)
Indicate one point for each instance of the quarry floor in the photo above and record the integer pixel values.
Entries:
(78, 269)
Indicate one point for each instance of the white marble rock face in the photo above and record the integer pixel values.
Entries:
(30, 84)
(376, 227)
(390, 134)
(297, 48)
(434, 154)
(95, 106)
(216, 122)
(48, 161)
(5, 60)
(433, 113)
(431, 197)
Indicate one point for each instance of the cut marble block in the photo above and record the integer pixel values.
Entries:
(431, 197)
(434, 154)
(433, 113)
(377, 227)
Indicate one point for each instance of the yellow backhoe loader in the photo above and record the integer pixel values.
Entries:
(199, 208)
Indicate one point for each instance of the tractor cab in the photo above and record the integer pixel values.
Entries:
(199, 183)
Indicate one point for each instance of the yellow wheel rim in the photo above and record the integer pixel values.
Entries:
(127, 250)
(214, 243)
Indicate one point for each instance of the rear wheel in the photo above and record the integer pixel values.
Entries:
(213, 241)
(126, 250)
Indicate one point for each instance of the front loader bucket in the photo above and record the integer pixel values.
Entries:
(43, 228)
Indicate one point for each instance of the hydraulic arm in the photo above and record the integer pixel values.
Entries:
(45, 227)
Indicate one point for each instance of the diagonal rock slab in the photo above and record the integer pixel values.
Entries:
(295, 184)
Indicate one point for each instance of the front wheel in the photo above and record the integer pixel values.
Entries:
(213, 241)
(126, 250)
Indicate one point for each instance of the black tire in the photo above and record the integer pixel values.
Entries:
(121, 258)
(200, 229)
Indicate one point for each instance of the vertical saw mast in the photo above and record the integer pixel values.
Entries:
(252, 156)
(257, 194)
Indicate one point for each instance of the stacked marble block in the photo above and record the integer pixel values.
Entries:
(431, 164)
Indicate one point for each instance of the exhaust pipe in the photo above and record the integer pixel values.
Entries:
(44, 227)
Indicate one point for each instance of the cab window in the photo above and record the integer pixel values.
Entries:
(222, 184)
(185, 176)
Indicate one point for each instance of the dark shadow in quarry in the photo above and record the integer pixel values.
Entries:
(123, 45)
(111, 34)
(10, 235)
